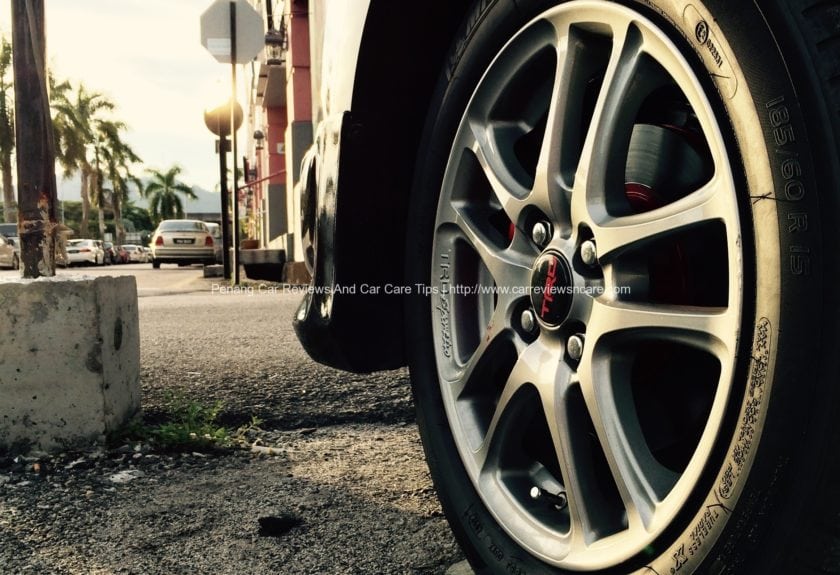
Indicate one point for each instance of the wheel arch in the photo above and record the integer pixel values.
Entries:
(400, 59)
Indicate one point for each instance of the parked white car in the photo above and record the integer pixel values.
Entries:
(216, 232)
(85, 252)
(136, 254)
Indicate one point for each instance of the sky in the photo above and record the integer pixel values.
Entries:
(147, 57)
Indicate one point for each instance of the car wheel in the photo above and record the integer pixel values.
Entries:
(15, 262)
(623, 358)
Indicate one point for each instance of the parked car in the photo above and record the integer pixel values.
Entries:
(86, 252)
(182, 242)
(136, 254)
(110, 253)
(613, 224)
(121, 254)
(9, 255)
(8, 229)
(216, 232)
(10, 232)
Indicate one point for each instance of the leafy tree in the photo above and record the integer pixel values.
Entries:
(7, 131)
(162, 191)
(138, 216)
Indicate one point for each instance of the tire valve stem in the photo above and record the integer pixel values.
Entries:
(558, 500)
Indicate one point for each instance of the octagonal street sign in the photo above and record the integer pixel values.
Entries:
(216, 31)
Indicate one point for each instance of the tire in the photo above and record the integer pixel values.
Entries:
(155, 264)
(623, 359)
(15, 262)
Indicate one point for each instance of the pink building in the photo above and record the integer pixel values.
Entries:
(279, 131)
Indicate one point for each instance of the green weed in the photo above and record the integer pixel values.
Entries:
(189, 425)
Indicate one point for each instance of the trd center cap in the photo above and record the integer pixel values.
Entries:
(551, 288)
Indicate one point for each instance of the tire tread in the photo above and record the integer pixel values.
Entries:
(817, 550)
(819, 24)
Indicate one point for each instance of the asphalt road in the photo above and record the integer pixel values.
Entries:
(346, 491)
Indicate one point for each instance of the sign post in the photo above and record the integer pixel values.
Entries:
(233, 32)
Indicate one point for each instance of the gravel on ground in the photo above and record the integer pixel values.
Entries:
(336, 485)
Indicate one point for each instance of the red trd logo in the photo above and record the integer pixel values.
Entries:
(549, 288)
(551, 282)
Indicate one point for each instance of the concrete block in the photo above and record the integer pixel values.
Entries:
(69, 360)
(214, 271)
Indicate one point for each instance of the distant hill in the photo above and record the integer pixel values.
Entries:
(207, 202)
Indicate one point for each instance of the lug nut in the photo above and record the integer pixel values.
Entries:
(559, 500)
(541, 233)
(574, 346)
(528, 321)
(589, 253)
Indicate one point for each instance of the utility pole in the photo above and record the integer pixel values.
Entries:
(37, 198)
(224, 146)
(235, 239)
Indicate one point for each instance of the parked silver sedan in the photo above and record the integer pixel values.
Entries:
(182, 242)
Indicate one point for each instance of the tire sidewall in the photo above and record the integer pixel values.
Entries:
(737, 505)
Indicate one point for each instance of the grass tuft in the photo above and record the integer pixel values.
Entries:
(189, 426)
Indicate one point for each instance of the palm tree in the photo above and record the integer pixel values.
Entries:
(7, 131)
(78, 124)
(110, 150)
(118, 157)
(162, 191)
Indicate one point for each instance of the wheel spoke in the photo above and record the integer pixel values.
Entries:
(614, 235)
(539, 366)
(509, 193)
(549, 193)
(627, 81)
(609, 116)
(582, 510)
(640, 479)
(713, 330)
(499, 327)
(507, 266)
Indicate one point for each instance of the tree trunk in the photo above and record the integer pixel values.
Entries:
(85, 193)
(118, 223)
(9, 204)
(100, 200)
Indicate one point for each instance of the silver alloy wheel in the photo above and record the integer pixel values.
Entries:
(559, 130)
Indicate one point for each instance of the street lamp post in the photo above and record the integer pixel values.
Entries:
(231, 30)
(218, 120)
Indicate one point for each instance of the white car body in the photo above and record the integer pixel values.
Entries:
(8, 253)
(182, 242)
(85, 252)
(136, 254)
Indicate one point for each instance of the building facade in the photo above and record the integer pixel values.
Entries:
(279, 129)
